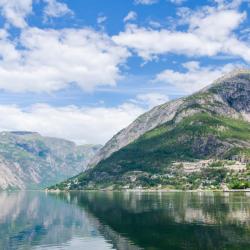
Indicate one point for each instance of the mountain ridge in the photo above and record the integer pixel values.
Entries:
(31, 161)
(107, 149)
(211, 124)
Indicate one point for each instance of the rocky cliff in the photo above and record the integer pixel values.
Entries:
(29, 160)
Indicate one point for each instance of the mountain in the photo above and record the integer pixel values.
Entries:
(200, 141)
(31, 161)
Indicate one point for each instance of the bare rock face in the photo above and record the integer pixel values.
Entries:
(29, 160)
(142, 124)
(227, 96)
(209, 146)
(234, 89)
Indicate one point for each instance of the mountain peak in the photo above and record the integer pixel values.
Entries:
(238, 72)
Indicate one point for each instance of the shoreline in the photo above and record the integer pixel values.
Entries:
(153, 190)
(131, 190)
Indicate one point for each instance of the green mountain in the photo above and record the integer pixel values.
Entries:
(31, 161)
(198, 142)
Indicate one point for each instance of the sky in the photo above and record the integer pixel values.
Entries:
(83, 70)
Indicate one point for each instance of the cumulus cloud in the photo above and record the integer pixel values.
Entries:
(223, 4)
(49, 60)
(150, 100)
(16, 11)
(200, 38)
(145, 2)
(131, 16)
(194, 77)
(56, 9)
(79, 124)
(82, 125)
(52, 59)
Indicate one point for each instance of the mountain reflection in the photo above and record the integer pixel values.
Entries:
(173, 220)
(34, 220)
(124, 220)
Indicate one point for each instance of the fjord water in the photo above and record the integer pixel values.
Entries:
(124, 220)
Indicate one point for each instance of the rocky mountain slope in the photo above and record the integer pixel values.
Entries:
(200, 141)
(29, 160)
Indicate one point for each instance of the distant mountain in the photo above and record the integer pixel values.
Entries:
(31, 161)
(200, 141)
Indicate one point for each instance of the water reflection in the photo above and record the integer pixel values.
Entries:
(34, 220)
(174, 220)
(125, 220)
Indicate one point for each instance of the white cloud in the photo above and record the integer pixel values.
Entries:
(150, 100)
(145, 2)
(225, 4)
(131, 16)
(52, 59)
(79, 124)
(15, 11)
(203, 23)
(56, 9)
(148, 42)
(82, 125)
(194, 78)
(200, 39)
(49, 60)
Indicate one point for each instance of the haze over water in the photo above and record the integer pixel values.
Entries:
(124, 220)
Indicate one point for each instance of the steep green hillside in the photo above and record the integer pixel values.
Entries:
(149, 160)
(203, 142)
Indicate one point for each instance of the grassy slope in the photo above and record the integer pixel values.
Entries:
(154, 152)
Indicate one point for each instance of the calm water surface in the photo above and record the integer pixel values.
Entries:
(124, 220)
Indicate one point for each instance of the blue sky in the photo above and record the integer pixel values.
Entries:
(83, 70)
